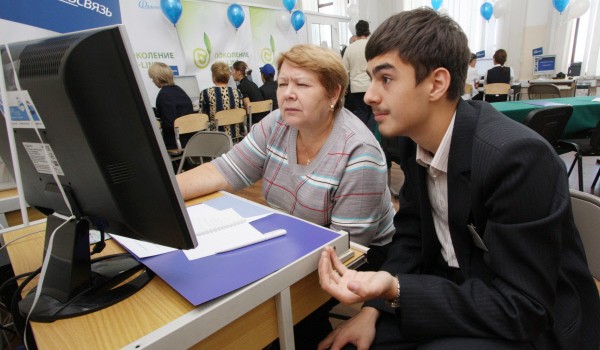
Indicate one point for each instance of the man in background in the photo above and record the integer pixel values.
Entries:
(356, 65)
(269, 86)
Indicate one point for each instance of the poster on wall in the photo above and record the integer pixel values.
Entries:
(272, 33)
(208, 37)
(153, 39)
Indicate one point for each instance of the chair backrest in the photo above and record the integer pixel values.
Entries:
(468, 89)
(496, 89)
(232, 116)
(586, 213)
(260, 106)
(536, 91)
(550, 122)
(206, 144)
(492, 91)
(188, 124)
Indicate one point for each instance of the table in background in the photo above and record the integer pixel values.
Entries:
(586, 113)
(157, 317)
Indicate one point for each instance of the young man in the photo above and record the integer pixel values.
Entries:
(486, 254)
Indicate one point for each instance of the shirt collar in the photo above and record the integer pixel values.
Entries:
(437, 162)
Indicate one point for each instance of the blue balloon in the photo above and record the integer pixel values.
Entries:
(297, 19)
(289, 4)
(560, 5)
(171, 9)
(486, 10)
(235, 14)
(436, 4)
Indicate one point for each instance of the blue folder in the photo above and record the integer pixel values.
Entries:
(207, 278)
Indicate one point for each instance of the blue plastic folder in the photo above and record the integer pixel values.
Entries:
(207, 278)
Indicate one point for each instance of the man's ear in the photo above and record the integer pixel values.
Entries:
(440, 78)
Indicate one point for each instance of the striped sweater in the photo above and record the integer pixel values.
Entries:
(344, 187)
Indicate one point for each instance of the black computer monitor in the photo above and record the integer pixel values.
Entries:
(574, 69)
(112, 164)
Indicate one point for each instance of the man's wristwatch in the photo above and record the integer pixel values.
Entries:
(395, 303)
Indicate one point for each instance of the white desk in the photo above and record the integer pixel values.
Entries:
(156, 317)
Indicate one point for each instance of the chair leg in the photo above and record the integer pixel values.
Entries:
(595, 179)
(580, 170)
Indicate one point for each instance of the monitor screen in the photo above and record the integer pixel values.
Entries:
(574, 69)
(483, 65)
(189, 84)
(544, 64)
(95, 128)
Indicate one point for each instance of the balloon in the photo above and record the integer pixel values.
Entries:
(578, 8)
(171, 9)
(283, 21)
(235, 15)
(289, 4)
(436, 4)
(353, 11)
(560, 5)
(486, 10)
(500, 8)
(444, 12)
(352, 26)
(297, 19)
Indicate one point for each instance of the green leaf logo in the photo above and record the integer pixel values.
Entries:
(207, 43)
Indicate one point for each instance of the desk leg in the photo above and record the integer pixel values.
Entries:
(283, 303)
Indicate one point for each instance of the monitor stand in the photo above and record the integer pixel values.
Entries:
(74, 284)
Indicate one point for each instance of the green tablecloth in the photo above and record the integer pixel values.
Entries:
(586, 113)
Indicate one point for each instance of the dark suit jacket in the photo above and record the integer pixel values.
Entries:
(533, 283)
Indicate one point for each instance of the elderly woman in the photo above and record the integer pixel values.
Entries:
(171, 102)
(317, 160)
(220, 96)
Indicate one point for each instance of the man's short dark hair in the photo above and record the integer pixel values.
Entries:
(426, 40)
(362, 28)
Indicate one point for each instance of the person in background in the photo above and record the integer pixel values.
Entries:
(499, 74)
(220, 97)
(356, 65)
(171, 103)
(268, 89)
(486, 254)
(350, 41)
(316, 160)
(472, 77)
(249, 89)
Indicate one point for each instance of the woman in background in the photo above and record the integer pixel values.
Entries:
(499, 74)
(472, 77)
(171, 103)
(249, 89)
(220, 97)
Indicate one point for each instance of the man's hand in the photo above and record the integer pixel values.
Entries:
(349, 286)
(359, 331)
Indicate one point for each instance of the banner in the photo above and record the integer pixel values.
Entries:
(62, 16)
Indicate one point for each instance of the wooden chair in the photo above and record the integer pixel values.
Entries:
(468, 89)
(537, 91)
(205, 144)
(229, 118)
(186, 125)
(258, 107)
(496, 92)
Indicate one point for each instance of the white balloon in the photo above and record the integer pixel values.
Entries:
(352, 26)
(353, 11)
(500, 8)
(444, 12)
(578, 8)
(284, 21)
